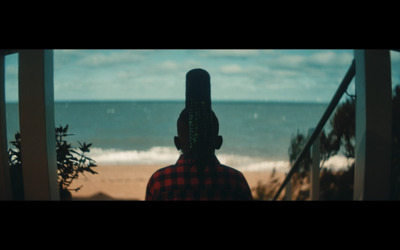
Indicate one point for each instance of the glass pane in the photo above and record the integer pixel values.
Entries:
(11, 90)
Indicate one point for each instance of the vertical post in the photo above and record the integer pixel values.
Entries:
(288, 194)
(373, 125)
(36, 108)
(5, 181)
(314, 170)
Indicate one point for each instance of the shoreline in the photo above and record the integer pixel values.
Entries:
(128, 182)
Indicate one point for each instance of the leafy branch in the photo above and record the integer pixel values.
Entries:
(71, 162)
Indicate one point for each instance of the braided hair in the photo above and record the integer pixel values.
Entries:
(201, 135)
(198, 116)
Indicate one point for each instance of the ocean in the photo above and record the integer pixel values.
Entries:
(256, 135)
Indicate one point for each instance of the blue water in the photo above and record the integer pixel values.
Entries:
(141, 132)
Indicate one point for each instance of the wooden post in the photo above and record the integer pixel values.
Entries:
(5, 181)
(36, 111)
(373, 125)
(314, 169)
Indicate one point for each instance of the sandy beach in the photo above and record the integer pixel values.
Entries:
(124, 182)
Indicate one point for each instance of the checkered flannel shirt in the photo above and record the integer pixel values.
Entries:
(181, 182)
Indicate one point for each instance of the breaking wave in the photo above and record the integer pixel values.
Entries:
(165, 156)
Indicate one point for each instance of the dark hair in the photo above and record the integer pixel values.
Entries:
(199, 118)
(203, 127)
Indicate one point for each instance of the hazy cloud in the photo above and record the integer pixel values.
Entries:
(231, 53)
(235, 74)
(97, 58)
(168, 65)
(231, 69)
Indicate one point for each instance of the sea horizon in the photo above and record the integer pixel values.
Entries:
(182, 100)
(140, 132)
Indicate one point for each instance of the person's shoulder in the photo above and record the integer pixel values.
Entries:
(161, 171)
(231, 169)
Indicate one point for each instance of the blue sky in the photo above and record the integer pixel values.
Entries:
(260, 75)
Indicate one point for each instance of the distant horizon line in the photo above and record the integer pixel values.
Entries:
(182, 100)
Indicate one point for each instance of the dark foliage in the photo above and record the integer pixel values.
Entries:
(395, 174)
(339, 185)
(297, 143)
(14, 160)
(70, 163)
(333, 186)
(342, 133)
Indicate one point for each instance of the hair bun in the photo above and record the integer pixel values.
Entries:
(198, 87)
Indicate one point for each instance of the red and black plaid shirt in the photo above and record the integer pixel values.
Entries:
(182, 182)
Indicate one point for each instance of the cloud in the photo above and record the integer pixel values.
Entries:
(231, 69)
(235, 74)
(324, 58)
(307, 68)
(168, 65)
(98, 58)
(309, 58)
(329, 58)
(231, 53)
(65, 57)
(289, 61)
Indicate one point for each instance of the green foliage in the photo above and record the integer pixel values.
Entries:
(70, 162)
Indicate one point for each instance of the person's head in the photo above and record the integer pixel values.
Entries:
(197, 124)
(200, 139)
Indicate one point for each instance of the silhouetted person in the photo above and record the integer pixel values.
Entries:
(198, 175)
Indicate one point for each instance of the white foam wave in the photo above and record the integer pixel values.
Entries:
(338, 162)
(246, 163)
(168, 155)
(155, 155)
